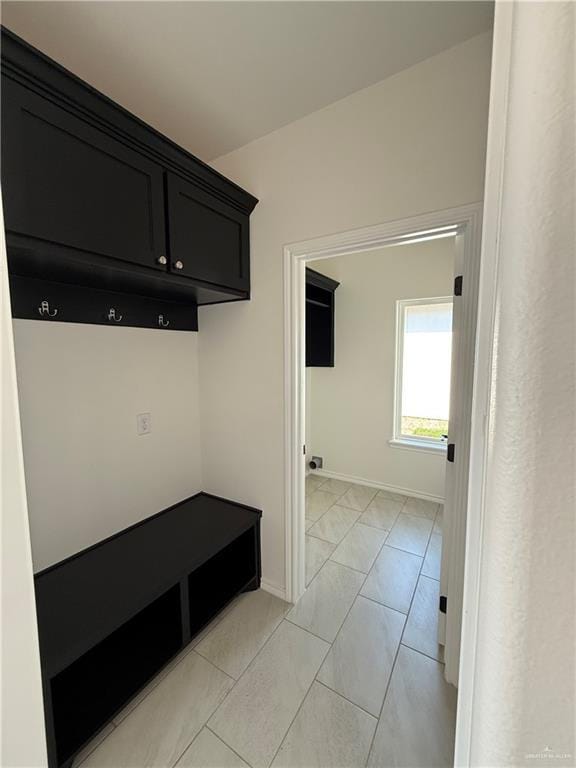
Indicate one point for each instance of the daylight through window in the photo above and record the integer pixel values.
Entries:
(423, 375)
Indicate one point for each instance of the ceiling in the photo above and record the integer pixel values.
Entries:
(214, 76)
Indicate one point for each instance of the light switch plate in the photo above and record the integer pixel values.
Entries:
(143, 424)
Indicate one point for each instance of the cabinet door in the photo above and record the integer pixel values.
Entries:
(209, 240)
(67, 183)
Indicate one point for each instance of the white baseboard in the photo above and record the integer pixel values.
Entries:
(273, 589)
(375, 484)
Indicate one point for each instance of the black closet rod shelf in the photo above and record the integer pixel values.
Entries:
(318, 303)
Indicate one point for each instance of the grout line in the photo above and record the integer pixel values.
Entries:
(384, 605)
(350, 567)
(417, 650)
(304, 629)
(300, 705)
(425, 576)
(234, 683)
(215, 665)
(433, 578)
(354, 704)
(228, 693)
(373, 561)
(173, 663)
(331, 642)
(205, 724)
(325, 482)
(192, 648)
(157, 679)
(408, 552)
(174, 765)
(376, 527)
(314, 536)
(319, 569)
(358, 594)
(228, 745)
(392, 669)
(420, 517)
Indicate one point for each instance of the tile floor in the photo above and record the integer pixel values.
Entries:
(350, 676)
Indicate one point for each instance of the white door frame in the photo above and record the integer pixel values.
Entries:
(466, 221)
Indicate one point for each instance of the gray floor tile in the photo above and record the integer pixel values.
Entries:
(421, 632)
(216, 620)
(256, 715)
(312, 483)
(158, 731)
(317, 552)
(393, 578)
(358, 497)
(328, 732)
(332, 485)
(416, 728)
(394, 496)
(208, 751)
(381, 513)
(334, 524)
(319, 502)
(360, 547)
(91, 746)
(155, 681)
(324, 605)
(438, 523)
(236, 640)
(410, 533)
(360, 661)
(421, 508)
(433, 559)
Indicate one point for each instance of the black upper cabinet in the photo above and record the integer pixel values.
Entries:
(208, 240)
(94, 197)
(69, 184)
(320, 310)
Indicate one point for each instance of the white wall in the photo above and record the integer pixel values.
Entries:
(88, 473)
(411, 144)
(518, 682)
(22, 736)
(352, 404)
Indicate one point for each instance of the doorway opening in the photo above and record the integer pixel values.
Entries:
(424, 432)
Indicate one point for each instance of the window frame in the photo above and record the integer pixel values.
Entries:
(398, 440)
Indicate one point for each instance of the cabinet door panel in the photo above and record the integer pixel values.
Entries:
(208, 237)
(72, 185)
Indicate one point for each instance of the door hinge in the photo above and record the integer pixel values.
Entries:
(458, 285)
(304, 450)
(443, 603)
(450, 452)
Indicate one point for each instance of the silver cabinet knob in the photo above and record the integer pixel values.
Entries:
(162, 260)
(178, 265)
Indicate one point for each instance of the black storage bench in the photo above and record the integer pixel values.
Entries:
(111, 616)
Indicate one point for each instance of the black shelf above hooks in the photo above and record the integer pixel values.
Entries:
(48, 302)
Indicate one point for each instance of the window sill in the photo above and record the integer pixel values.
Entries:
(418, 445)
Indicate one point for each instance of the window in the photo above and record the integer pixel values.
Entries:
(423, 362)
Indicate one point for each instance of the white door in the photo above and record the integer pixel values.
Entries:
(456, 487)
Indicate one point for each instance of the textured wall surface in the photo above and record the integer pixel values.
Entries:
(523, 703)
